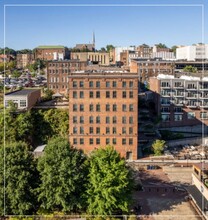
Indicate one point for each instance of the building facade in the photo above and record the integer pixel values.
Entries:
(24, 59)
(101, 58)
(58, 72)
(103, 110)
(51, 53)
(180, 101)
(24, 99)
(192, 53)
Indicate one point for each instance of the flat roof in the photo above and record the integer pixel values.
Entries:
(201, 166)
(50, 47)
(22, 92)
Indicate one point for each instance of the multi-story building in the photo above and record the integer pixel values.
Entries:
(24, 59)
(119, 50)
(101, 58)
(58, 72)
(51, 53)
(150, 68)
(103, 110)
(144, 51)
(163, 53)
(180, 101)
(192, 53)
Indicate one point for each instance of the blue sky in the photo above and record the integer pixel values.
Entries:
(28, 27)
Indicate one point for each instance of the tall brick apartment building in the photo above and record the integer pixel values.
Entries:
(180, 101)
(103, 109)
(58, 72)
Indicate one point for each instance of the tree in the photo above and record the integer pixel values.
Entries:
(160, 45)
(16, 74)
(173, 49)
(21, 179)
(110, 183)
(158, 147)
(103, 49)
(24, 51)
(109, 47)
(47, 94)
(190, 69)
(62, 171)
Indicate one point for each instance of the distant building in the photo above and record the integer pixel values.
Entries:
(6, 58)
(58, 72)
(24, 99)
(24, 59)
(163, 53)
(103, 109)
(81, 47)
(144, 51)
(51, 53)
(101, 58)
(180, 101)
(192, 53)
(119, 50)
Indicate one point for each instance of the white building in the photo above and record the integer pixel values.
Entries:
(164, 55)
(118, 50)
(192, 53)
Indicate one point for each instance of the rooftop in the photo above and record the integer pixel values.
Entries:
(22, 92)
(201, 166)
(50, 47)
(183, 77)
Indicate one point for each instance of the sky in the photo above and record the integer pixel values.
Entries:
(129, 24)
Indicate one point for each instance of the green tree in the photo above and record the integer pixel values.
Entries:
(110, 183)
(16, 74)
(21, 180)
(47, 94)
(173, 49)
(103, 49)
(190, 69)
(158, 147)
(109, 47)
(62, 171)
(160, 45)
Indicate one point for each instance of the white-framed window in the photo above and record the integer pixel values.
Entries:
(191, 115)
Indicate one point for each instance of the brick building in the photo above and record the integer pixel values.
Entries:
(24, 59)
(180, 101)
(150, 68)
(103, 110)
(58, 72)
(51, 53)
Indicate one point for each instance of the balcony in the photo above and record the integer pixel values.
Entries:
(191, 88)
(178, 94)
(195, 96)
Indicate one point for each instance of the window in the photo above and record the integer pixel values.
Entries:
(114, 140)
(97, 140)
(91, 141)
(107, 120)
(81, 130)
(114, 94)
(203, 115)
(124, 94)
(91, 108)
(91, 131)
(98, 119)
(91, 84)
(131, 120)
(74, 119)
(81, 141)
(114, 84)
(74, 84)
(191, 115)
(131, 107)
(97, 84)
(124, 119)
(124, 84)
(114, 107)
(74, 107)
(98, 107)
(81, 120)
(107, 94)
(81, 108)
(107, 141)
(124, 130)
(74, 140)
(107, 84)
(178, 109)
(91, 120)
(131, 84)
(81, 94)
(74, 95)
(107, 107)
(131, 94)
(124, 108)
(114, 120)
(81, 84)
(107, 130)
(130, 141)
(131, 130)
(98, 94)
(74, 130)
(178, 117)
(91, 94)
(114, 130)
(97, 130)
(123, 141)
(165, 118)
